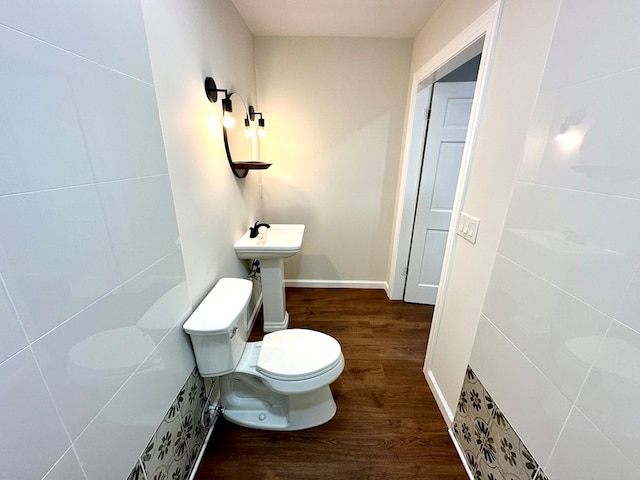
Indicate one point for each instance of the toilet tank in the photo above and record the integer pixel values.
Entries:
(218, 327)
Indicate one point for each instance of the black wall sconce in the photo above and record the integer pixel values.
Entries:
(252, 115)
(234, 145)
(211, 89)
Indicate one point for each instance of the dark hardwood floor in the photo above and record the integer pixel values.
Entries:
(388, 425)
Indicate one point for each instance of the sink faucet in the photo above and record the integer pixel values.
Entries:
(253, 231)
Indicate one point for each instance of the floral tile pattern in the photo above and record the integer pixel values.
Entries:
(137, 473)
(491, 446)
(174, 447)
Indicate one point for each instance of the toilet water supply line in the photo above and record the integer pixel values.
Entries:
(254, 271)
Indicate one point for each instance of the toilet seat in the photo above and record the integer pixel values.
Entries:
(297, 354)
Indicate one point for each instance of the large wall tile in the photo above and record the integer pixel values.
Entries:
(12, 338)
(542, 322)
(611, 394)
(33, 436)
(629, 311)
(88, 358)
(124, 426)
(141, 221)
(535, 407)
(99, 30)
(59, 264)
(599, 150)
(574, 240)
(67, 468)
(67, 121)
(593, 42)
(585, 452)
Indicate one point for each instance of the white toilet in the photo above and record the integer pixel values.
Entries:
(279, 383)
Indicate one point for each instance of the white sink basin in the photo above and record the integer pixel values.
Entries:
(282, 241)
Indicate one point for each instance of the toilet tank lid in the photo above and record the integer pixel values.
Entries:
(218, 312)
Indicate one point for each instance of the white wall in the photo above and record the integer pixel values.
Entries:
(524, 32)
(188, 41)
(92, 277)
(558, 345)
(334, 109)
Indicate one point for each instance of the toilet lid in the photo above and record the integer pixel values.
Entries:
(297, 353)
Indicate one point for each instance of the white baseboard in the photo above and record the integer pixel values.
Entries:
(461, 454)
(446, 412)
(374, 285)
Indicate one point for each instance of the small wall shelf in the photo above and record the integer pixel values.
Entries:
(251, 165)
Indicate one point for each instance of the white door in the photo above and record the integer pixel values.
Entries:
(444, 144)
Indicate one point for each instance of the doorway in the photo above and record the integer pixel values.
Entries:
(477, 38)
(447, 118)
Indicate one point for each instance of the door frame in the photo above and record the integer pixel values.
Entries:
(479, 37)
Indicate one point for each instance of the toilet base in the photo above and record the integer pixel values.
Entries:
(247, 402)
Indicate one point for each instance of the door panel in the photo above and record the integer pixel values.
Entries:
(444, 145)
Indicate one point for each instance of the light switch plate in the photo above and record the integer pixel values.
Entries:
(468, 227)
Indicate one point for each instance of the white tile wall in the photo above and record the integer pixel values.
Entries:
(29, 419)
(575, 239)
(106, 32)
(611, 394)
(596, 153)
(565, 285)
(592, 41)
(88, 358)
(584, 452)
(629, 311)
(534, 406)
(13, 338)
(136, 213)
(542, 322)
(128, 421)
(61, 125)
(55, 255)
(67, 468)
(92, 281)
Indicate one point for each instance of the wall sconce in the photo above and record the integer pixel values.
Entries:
(211, 89)
(252, 115)
(247, 127)
(235, 143)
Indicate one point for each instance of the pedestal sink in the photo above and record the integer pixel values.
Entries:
(281, 241)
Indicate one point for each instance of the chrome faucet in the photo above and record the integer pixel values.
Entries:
(253, 231)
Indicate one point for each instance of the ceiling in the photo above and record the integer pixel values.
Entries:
(336, 18)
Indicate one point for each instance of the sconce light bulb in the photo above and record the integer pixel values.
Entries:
(262, 132)
(228, 121)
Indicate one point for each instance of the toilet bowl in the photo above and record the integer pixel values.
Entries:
(279, 383)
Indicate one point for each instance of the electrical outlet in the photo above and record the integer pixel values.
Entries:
(468, 227)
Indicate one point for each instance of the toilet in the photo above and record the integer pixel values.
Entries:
(279, 383)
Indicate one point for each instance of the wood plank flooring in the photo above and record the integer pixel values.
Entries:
(388, 425)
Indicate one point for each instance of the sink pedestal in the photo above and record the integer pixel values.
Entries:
(274, 307)
(280, 241)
